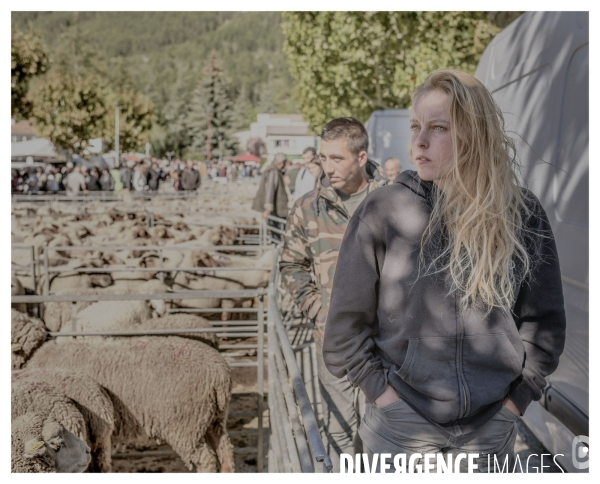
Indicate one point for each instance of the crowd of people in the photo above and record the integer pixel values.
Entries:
(133, 175)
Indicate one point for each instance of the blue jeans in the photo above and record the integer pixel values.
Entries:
(398, 429)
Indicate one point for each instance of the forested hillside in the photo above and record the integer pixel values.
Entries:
(162, 54)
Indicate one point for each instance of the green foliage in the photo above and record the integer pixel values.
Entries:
(68, 110)
(28, 60)
(352, 63)
(211, 105)
(164, 53)
(136, 117)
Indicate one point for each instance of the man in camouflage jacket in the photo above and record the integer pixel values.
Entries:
(315, 228)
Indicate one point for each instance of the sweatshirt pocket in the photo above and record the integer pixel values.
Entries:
(490, 364)
(430, 368)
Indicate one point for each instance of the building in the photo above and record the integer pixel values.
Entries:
(21, 131)
(285, 133)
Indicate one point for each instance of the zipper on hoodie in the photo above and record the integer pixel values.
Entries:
(461, 376)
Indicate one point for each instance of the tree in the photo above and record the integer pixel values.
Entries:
(136, 118)
(211, 106)
(68, 110)
(352, 63)
(28, 60)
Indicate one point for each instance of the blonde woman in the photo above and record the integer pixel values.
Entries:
(447, 306)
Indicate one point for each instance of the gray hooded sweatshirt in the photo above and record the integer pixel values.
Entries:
(389, 322)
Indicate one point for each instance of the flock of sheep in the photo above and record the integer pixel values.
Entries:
(72, 396)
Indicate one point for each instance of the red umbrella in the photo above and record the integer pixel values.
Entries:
(247, 157)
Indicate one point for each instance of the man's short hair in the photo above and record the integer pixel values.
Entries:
(351, 129)
(279, 157)
(310, 148)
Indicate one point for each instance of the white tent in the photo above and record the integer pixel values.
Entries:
(36, 148)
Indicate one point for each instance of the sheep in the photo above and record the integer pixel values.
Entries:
(40, 397)
(171, 388)
(91, 400)
(248, 279)
(17, 289)
(183, 321)
(35, 443)
(27, 334)
(183, 281)
(58, 314)
(112, 315)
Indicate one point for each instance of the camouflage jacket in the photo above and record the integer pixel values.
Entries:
(314, 232)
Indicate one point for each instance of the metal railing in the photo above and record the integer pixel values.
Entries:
(295, 443)
(250, 328)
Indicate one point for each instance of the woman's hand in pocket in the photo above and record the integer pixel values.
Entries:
(388, 397)
(508, 403)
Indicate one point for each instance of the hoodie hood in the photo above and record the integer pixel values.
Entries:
(411, 180)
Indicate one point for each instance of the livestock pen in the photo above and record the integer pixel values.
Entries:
(278, 342)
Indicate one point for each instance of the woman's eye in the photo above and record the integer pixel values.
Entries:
(439, 128)
(413, 127)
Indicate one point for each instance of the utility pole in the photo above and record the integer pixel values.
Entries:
(209, 113)
(117, 157)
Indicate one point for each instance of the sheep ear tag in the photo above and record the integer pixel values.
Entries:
(15, 347)
(34, 447)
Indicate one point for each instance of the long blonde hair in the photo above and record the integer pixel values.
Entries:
(476, 229)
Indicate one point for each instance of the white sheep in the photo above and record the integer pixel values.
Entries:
(40, 397)
(91, 400)
(111, 315)
(17, 289)
(27, 334)
(44, 445)
(171, 388)
(106, 315)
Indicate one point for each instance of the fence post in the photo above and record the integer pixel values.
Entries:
(260, 360)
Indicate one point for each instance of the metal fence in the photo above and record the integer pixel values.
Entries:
(294, 443)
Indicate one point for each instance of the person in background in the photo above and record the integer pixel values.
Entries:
(107, 184)
(291, 173)
(190, 178)
(447, 306)
(14, 181)
(93, 180)
(126, 175)
(305, 182)
(116, 176)
(309, 258)
(139, 182)
(52, 183)
(271, 198)
(392, 168)
(75, 182)
(154, 177)
(315, 168)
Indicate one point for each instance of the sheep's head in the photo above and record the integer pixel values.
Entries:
(48, 446)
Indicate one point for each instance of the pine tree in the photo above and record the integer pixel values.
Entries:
(212, 106)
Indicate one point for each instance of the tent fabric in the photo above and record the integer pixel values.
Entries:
(247, 157)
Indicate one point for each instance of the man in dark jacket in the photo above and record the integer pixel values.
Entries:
(153, 177)
(190, 178)
(271, 198)
(126, 175)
